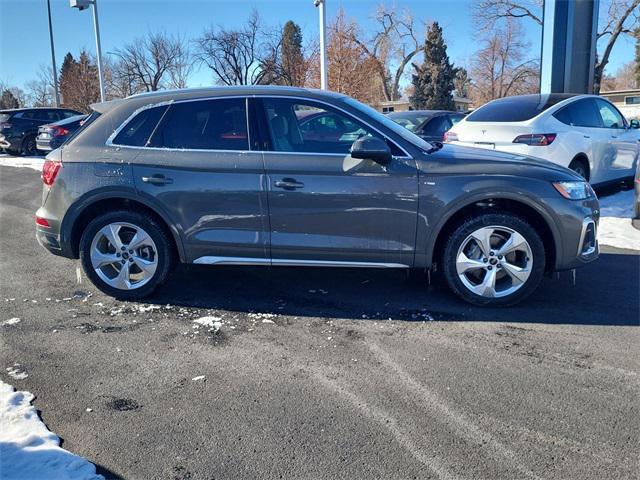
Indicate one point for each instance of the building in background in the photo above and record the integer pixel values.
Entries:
(462, 105)
(627, 101)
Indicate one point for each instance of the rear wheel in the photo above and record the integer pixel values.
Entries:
(581, 167)
(29, 148)
(494, 259)
(126, 254)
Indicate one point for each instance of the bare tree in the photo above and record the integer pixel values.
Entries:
(622, 16)
(395, 41)
(154, 61)
(236, 57)
(500, 67)
(40, 90)
(350, 70)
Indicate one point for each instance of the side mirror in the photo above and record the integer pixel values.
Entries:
(634, 123)
(371, 148)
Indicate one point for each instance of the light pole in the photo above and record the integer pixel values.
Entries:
(81, 5)
(53, 58)
(323, 49)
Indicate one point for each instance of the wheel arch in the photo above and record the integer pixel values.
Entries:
(88, 208)
(584, 158)
(534, 214)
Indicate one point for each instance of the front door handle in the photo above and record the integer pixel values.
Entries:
(157, 179)
(289, 184)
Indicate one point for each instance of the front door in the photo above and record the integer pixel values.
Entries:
(325, 207)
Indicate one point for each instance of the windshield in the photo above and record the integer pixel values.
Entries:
(390, 124)
(409, 120)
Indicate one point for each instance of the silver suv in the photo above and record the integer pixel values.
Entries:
(286, 176)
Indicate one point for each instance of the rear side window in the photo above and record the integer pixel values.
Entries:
(437, 126)
(136, 133)
(514, 109)
(219, 124)
(582, 113)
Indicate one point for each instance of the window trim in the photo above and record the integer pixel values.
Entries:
(247, 97)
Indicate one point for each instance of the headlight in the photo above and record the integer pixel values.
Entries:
(574, 190)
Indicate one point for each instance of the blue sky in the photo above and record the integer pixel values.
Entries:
(24, 41)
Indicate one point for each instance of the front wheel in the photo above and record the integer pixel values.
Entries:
(494, 259)
(126, 254)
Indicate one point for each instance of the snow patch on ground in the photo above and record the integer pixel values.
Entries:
(11, 321)
(213, 323)
(34, 163)
(615, 228)
(17, 372)
(28, 450)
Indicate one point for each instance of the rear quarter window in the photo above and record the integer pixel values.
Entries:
(137, 131)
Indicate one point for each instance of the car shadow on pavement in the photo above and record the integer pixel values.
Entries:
(605, 293)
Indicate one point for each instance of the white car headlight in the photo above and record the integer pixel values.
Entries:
(574, 190)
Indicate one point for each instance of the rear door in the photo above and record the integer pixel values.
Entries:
(623, 141)
(326, 207)
(198, 166)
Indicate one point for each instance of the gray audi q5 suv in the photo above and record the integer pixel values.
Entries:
(288, 176)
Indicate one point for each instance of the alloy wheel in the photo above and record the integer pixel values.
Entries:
(494, 261)
(124, 256)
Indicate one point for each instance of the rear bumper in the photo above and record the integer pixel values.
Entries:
(50, 238)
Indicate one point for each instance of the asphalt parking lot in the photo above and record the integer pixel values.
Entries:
(319, 373)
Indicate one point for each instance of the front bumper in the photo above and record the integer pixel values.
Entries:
(578, 233)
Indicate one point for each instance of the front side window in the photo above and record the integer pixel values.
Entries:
(219, 124)
(307, 127)
(611, 118)
(136, 133)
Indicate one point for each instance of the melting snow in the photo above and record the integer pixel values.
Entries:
(214, 323)
(16, 372)
(28, 449)
(11, 321)
(34, 163)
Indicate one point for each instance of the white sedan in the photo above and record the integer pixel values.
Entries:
(583, 132)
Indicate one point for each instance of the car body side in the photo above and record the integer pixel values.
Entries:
(448, 183)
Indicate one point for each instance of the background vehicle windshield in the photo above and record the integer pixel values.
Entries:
(409, 120)
(390, 124)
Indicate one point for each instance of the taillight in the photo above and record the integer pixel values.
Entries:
(536, 139)
(59, 131)
(450, 136)
(50, 171)
(42, 222)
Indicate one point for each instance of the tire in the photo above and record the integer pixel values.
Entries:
(515, 274)
(581, 167)
(103, 262)
(29, 147)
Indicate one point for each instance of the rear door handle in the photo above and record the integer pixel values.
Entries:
(288, 184)
(157, 180)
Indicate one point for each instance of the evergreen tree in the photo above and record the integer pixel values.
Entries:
(8, 100)
(433, 80)
(68, 79)
(292, 57)
(461, 82)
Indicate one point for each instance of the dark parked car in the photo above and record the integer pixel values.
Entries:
(431, 125)
(225, 176)
(19, 127)
(52, 135)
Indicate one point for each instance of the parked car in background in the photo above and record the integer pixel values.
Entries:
(53, 135)
(223, 176)
(19, 127)
(583, 132)
(430, 125)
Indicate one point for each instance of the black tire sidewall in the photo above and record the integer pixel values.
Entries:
(485, 220)
(25, 144)
(155, 231)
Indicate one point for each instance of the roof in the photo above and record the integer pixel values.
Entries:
(204, 92)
